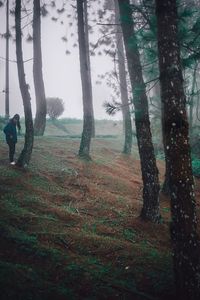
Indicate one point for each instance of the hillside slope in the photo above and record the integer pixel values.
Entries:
(71, 229)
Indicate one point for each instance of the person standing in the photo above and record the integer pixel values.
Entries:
(11, 135)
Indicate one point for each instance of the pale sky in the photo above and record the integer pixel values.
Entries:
(60, 71)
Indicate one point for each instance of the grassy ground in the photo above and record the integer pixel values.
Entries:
(70, 229)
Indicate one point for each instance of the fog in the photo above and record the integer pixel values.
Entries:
(60, 71)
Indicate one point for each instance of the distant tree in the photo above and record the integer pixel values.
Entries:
(25, 155)
(84, 150)
(111, 43)
(41, 109)
(150, 210)
(55, 107)
(185, 241)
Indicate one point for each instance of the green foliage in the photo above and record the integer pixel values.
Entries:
(189, 24)
(196, 26)
(196, 167)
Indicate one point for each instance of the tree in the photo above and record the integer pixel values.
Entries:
(40, 118)
(185, 242)
(85, 9)
(25, 155)
(55, 107)
(123, 85)
(150, 210)
(113, 46)
(7, 92)
(84, 150)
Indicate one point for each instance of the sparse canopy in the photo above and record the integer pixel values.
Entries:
(55, 107)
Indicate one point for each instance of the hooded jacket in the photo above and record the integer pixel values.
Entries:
(10, 132)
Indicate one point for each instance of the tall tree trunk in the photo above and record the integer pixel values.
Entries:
(150, 210)
(191, 105)
(165, 187)
(25, 155)
(41, 109)
(186, 246)
(7, 92)
(84, 150)
(85, 9)
(123, 85)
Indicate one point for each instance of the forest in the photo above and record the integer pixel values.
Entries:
(103, 208)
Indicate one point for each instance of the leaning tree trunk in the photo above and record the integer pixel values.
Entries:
(84, 150)
(150, 210)
(25, 155)
(185, 242)
(123, 85)
(85, 3)
(41, 109)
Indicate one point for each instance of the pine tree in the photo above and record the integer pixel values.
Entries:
(25, 155)
(185, 242)
(123, 84)
(84, 150)
(150, 210)
(40, 118)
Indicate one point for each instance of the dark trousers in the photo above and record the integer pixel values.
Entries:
(11, 150)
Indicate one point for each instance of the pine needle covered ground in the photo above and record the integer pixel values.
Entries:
(70, 229)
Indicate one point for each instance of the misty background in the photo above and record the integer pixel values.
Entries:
(61, 71)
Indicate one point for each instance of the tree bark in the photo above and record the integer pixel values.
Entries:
(25, 155)
(150, 210)
(85, 9)
(191, 104)
(123, 85)
(41, 107)
(185, 242)
(84, 150)
(7, 90)
(165, 187)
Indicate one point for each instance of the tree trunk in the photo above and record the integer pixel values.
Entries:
(88, 57)
(25, 155)
(165, 187)
(84, 150)
(41, 109)
(191, 104)
(7, 91)
(150, 210)
(123, 85)
(185, 242)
